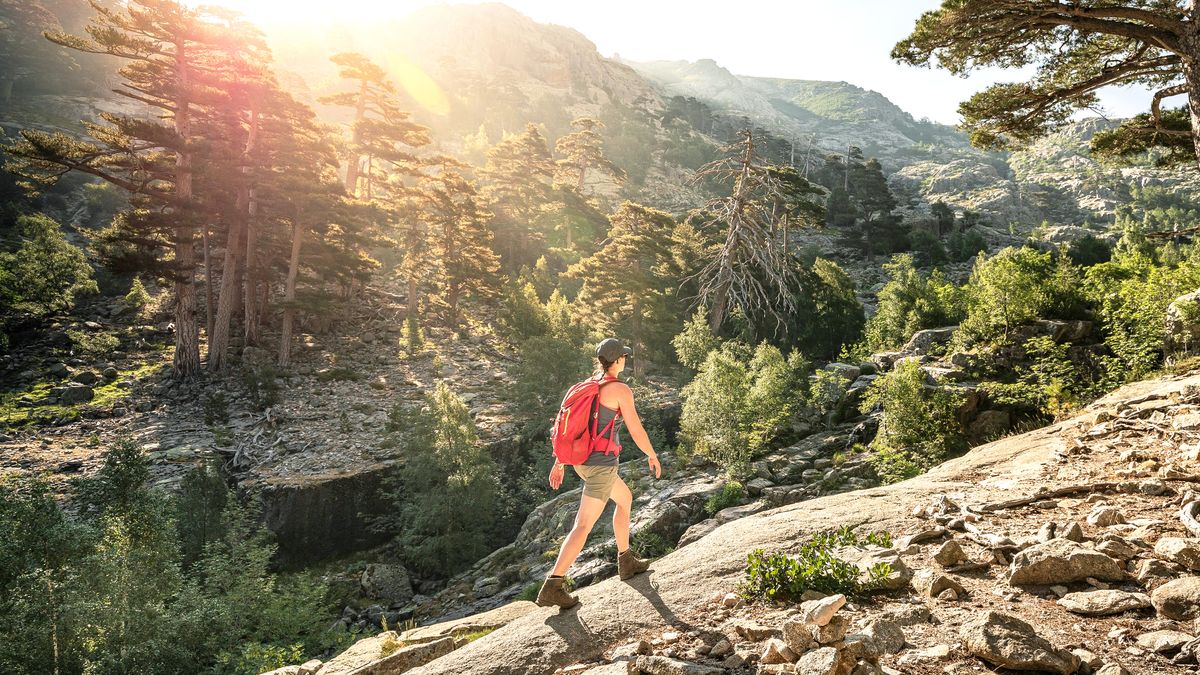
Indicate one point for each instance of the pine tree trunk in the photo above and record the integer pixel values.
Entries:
(208, 289)
(716, 315)
(250, 296)
(352, 169)
(413, 303)
(1191, 70)
(187, 332)
(289, 297)
(218, 346)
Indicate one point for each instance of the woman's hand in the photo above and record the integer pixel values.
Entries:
(652, 458)
(556, 475)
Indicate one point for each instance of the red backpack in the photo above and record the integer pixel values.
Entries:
(573, 435)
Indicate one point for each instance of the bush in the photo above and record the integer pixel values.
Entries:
(414, 337)
(778, 576)
(695, 341)
(137, 298)
(920, 427)
(261, 386)
(730, 495)
(94, 344)
(737, 405)
(46, 273)
(911, 301)
(548, 364)
(650, 545)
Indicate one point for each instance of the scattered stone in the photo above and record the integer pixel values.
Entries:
(1104, 515)
(859, 646)
(58, 369)
(1178, 599)
(1046, 532)
(1088, 658)
(1073, 532)
(1112, 669)
(663, 665)
(776, 651)
(725, 647)
(1061, 561)
(752, 631)
(823, 661)
(85, 377)
(887, 635)
(819, 612)
(75, 392)
(831, 632)
(1153, 568)
(949, 554)
(631, 651)
(1118, 549)
(309, 667)
(1104, 602)
(1163, 641)
(110, 374)
(797, 636)
(730, 600)
(1009, 642)
(908, 616)
(931, 584)
(386, 581)
(1179, 550)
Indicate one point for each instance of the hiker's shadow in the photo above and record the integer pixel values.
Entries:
(644, 584)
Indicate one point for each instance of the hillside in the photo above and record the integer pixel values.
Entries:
(1137, 443)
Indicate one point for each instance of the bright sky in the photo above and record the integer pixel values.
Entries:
(803, 39)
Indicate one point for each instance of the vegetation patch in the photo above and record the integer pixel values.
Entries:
(782, 577)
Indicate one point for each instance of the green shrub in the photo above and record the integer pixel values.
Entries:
(695, 341)
(261, 386)
(216, 408)
(547, 365)
(920, 426)
(1015, 286)
(778, 576)
(137, 298)
(530, 592)
(94, 344)
(911, 301)
(339, 374)
(46, 273)
(730, 495)
(414, 337)
(739, 403)
(650, 545)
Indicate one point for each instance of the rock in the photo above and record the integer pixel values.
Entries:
(1103, 603)
(1088, 658)
(618, 668)
(111, 373)
(797, 637)
(474, 623)
(751, 631)
(949, 554)
(386, 581)
(85, 377)
(859, 646)
(931, 584)
(908, 616)
(887, 635)
(865, 559)
(831, 632)
(58, 370)
(1153, 568)
(1163, 641)
(369, 656)
(776, 651)
(819, 612)
(631, 651)
(1178, 599)
(1182, 326)
(845, 370)
(923, 341)
(75, 392)
(1104, 515)
(286, 670)
(1180, 550)
(663, 665)
(989, 424)
(724, 647)
(1073, 532)
(1118, 549)
(1061, 561)
(486, 586)
(1009, 642)
(823, 661)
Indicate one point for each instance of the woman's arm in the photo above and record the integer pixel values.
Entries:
(636, 431)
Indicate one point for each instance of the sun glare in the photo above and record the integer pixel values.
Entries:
(303, 11)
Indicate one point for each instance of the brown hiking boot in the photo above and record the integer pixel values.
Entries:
(553, 593)
(629, 564)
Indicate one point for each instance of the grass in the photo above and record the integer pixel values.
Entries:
(107, 395)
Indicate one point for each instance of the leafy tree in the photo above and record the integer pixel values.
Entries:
(1005, 290)
(624, 291)
(943, 215)
(517, 179)
(450, 489)
(695, 341)
(1078, 48)
(919, 428)
(45, 274)
(911, 301)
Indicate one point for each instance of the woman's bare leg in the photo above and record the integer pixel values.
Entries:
(590, 509)
(624, 499)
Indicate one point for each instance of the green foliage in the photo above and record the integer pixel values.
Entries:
(695, 341)
(530, 592)
(780, 577)
(414, 337)
(137, 297)
(911, 301)
(548, 364)
(739, 403)
(445, 493)
(200, 510)
(650, 545)
(261, 386)
(731, 494)
(339, 374)
(216, 408)
(826, 390)
(962, 245)
(1015, 286)
(1089, 250)
(45, 273)
(927, 248)
(93, 344)
(920, 426)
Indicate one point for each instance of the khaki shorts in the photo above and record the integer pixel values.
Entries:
(598, 481)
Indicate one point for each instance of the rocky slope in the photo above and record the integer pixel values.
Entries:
(1059, 550)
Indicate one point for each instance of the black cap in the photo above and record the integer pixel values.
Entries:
(612, 349)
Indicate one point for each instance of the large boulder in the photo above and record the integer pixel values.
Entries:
(1061, 561)
(1178, 599)
(1009, 642)
(385, 654)
(923, 341)
(471, 624)
(1104, 602)
(388, 582)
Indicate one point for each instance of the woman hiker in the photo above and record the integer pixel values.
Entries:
(600, 479)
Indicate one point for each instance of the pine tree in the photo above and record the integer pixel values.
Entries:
(624, 291)
(582, 153)
(518, 173)
(168, 50)
(460, 241)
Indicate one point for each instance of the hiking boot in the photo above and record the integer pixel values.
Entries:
(553, 593)
(629, 564)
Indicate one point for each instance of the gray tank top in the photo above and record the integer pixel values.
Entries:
(603, 417)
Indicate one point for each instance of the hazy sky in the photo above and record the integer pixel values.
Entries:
(804, 39)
